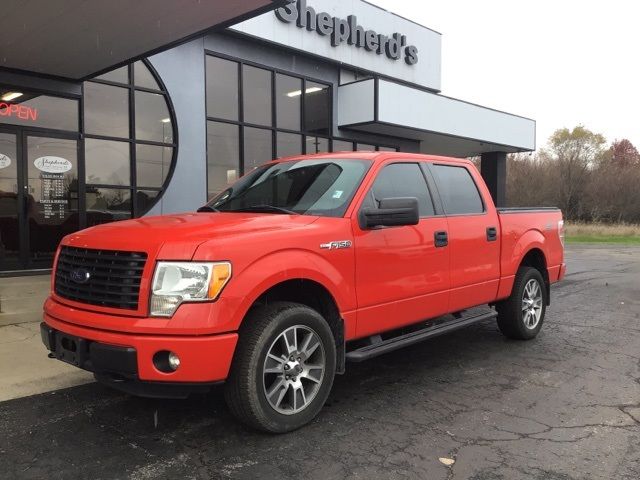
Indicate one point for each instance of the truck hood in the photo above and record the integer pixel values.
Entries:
(177, 237)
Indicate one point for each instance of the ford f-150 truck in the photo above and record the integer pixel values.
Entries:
(301, 266)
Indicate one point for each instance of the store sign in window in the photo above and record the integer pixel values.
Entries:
(52, 164)
(19, 111)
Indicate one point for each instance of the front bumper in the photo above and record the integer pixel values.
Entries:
(126, 360)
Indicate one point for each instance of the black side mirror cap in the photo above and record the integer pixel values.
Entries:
(392, 212)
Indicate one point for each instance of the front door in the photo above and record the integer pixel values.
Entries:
(402, 277)
(38, 196)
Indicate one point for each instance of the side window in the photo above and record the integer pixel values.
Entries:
(401, 180)
(457, 190)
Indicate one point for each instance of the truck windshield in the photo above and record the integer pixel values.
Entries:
(312, 187)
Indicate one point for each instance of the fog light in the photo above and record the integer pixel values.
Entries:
(166, 361)
(174, 361)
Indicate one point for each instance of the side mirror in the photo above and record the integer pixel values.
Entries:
(393, 212)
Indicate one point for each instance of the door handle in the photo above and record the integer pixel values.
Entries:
(441, 239)
(492, 234)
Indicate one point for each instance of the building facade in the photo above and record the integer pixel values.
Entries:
(165, 133)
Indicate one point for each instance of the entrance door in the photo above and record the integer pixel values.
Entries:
(38, 197)
(10, 197)
(51, 190)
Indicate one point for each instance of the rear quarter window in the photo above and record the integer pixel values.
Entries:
(458, 191)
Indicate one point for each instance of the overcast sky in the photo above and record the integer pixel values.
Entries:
(560, 62)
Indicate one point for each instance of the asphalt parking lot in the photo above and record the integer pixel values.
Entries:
(564, 406)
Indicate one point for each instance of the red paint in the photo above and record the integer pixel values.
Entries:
(22, 112)
(388, 278)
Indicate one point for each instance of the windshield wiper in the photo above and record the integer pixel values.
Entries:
(207, 208)
(266, 208)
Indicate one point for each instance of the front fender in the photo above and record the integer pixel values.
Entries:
(254, 279)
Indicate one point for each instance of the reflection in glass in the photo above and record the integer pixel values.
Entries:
(107, 205)
(35, 110)
(342, 146)
(142, 76)
(107, 162)
(317, 106)
(223, 156)
(152, 118)
(145, 200)
(288, 97)
(256, 95)
(222, 88)
(106, 110)
(119, 75)
(152, 164)
(365, 147)
(387, 149)
(257, 147)
(317, 145)
(288, 144)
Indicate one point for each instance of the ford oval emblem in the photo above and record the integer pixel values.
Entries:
(80, 275)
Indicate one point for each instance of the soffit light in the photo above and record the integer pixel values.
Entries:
(7, 97)
(297, 93)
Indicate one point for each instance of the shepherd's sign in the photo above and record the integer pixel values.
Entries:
(347, 30)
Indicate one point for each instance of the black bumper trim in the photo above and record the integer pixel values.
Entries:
(114, 366)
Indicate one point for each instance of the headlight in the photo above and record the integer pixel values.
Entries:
(178, 282)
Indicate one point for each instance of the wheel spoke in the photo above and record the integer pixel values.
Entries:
(277, 384)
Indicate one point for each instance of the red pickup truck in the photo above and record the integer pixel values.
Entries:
(301, 266)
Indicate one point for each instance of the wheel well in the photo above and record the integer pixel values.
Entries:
(535, 258)
(315, 296)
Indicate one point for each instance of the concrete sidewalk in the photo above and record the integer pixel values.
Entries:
(24, 366)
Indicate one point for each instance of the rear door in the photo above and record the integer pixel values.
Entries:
(473, 235)
(401, 276)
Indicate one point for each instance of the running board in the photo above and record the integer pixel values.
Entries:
(401, 341)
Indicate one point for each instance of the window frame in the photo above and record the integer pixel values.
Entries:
(133, 187)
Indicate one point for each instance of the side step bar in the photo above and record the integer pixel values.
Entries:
(395, 343)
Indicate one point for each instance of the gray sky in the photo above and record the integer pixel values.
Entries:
(560, 62)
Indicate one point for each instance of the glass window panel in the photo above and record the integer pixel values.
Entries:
(317, 145)
(317, 107)
(288, 98)
(222, 88)
(107, 162)
(152, 164)
(288, 144)
(142, 77)
(107, 205)
(457, 190)
(365, 147)
(257, 147)
(401, 180)
(256, 95)
(33, 110)
(342, 146)
(119, 75)
(223, 156)
(106, 110)
(145, 199)
(152, 118)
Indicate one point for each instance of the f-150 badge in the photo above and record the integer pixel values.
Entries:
(335, 245)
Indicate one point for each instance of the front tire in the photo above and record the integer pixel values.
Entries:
(283, 368)
(521, 315)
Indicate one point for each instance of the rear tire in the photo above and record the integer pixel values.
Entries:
(283, 368)
(521, 315)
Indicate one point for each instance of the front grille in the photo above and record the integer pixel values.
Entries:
(108, 278)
